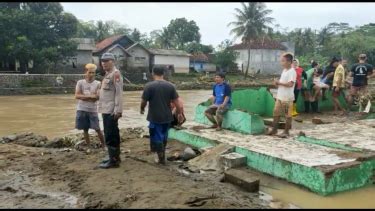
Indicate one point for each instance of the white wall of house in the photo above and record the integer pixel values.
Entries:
(84, 57)
(139, 57)
(270, 58)
(120, 56)
(180, 63)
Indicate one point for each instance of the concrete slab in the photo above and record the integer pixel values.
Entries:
(319, 168)
(242, 179)
(353, 136)
(233, 160)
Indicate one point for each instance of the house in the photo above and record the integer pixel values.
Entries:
(133, 58)
(201, 62)
(129, 55)
(83, 54)
(264, 55)
(177, 60)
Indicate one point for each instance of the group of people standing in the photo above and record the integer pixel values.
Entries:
(314, 83)
(165, 108)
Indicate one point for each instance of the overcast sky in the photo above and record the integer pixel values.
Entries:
(212, 18)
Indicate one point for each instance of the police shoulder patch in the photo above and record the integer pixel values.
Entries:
(117, 76)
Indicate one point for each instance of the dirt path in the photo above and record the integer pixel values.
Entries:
(60, 178)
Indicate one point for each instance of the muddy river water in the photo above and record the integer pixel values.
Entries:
(53, 115)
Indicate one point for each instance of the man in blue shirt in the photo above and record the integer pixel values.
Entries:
(221, 99)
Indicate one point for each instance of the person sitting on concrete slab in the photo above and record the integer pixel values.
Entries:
(285, 95)
(221, 99)
(87, 93)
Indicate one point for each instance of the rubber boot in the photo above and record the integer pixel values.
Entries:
(161, 157)
(288, 126)
(114, 155)
(315, 107)
(106, 159)
(307, 106)
(275, 125)
(294, 113)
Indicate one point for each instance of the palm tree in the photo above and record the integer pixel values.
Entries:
(163, 38)
(252, 22)
(102, 30)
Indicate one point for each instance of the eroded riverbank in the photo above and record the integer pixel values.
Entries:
(53, 115)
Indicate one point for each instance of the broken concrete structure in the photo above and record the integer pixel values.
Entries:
(322, 161)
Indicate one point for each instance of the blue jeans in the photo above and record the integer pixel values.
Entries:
(158, 136)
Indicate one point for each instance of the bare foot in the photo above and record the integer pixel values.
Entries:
(219, 128)
(284, 135)
(271, 132)
(214, 126)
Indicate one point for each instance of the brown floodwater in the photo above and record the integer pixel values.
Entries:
(54, 115)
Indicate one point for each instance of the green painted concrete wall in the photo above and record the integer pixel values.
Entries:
(258, 101)
(234, 120)
(326, 105)
(310, 177)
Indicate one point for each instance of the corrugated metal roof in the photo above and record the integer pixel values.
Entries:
(85, 43)
(199, 57)
(171, 52)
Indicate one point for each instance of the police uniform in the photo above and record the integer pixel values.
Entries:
(110, 103)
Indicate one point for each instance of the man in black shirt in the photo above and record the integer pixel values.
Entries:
(159, 94)
(360, 72)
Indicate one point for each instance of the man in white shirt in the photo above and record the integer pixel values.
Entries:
(285, 95)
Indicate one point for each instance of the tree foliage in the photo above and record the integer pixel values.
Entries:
(36, 31)
(225, 56)
(335, 39)
(252, 22)
(182, 31)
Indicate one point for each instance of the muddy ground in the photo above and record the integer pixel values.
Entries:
(40, 177)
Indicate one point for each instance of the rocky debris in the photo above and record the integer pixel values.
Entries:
(75, 141)
(301, 133)
(132, 133)
(26, 139)
(62, 142)
(317, 121)
(199, 201)
(188, 154)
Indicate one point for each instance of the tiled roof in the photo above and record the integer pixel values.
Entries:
(107, 42)
(199, 57)
(171, 52)
(260, 44)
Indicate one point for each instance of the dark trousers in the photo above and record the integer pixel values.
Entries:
(111, 131)
(296, 94)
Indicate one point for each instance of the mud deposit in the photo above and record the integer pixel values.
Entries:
(67, 177)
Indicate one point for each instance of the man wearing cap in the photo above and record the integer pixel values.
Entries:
(110, 106)
(360, 72)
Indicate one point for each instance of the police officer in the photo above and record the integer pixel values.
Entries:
(110, 106)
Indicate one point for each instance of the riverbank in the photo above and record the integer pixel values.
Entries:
(127, 87)
(34, 86)
(40, 173)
